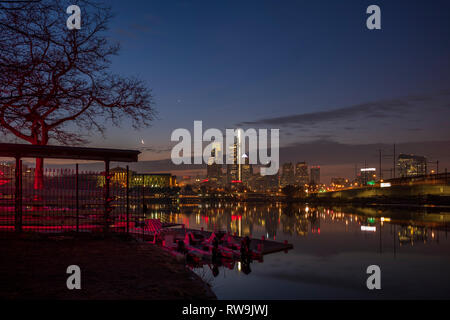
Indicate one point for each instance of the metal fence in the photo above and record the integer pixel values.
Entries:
(71, 200)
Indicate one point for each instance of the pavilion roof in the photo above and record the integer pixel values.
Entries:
(64, 152)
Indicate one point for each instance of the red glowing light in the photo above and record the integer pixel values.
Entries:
(3, 181)
(236, 181)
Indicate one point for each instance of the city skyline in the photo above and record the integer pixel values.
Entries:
(342, 164)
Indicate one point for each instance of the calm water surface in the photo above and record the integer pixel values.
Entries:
(333, 246)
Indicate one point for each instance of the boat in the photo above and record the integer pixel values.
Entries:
(230, 248)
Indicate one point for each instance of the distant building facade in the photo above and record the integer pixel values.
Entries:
(301, 174)
(339, 183)
(154, 180)
(148, 180)
(315, 175)
(287, 175)
(234, 168)
(366, 176)
(246, 171)
(9, 168)
(411, 165)
(264, 183)
(214, 169)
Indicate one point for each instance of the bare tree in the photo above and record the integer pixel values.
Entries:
(56, 83)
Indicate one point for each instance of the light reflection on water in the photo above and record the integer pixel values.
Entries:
(333, 246)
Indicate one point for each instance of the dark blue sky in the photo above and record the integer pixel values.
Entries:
(294, 65)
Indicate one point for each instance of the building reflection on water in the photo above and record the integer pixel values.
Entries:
(412, 226)
(332, 247)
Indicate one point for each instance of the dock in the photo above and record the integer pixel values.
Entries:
(268, 246)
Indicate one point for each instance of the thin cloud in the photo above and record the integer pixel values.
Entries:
(386, 109)
(328, 152)
(157, 150)
(370, 110)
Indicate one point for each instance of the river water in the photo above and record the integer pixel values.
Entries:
(333, 246)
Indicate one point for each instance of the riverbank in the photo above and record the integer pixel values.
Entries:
(415, 194)
(116, 267)
(329, 199)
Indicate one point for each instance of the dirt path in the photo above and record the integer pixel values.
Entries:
(34, 267)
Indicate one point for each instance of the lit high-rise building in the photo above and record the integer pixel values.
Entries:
(315, 175)
(301, 174)
(247, 171)
(239, 170)
(411, 165)
(214, 169)
(234, 170)
(287, 175)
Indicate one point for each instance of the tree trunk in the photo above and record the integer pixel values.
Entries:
(39, 174)
(39, 171)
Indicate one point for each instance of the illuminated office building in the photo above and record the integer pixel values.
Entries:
(154, 180)
(148, 180)
(214, 169)
(287, 175)
(301, 174)
(411, 165)
(235, 156)
(246, 170)
(367, 176)
(315, 175)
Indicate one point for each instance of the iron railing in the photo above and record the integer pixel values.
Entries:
(70, 200)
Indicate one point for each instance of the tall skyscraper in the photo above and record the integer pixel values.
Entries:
(246, 170)
(234, 170)
(214, 169)
(315, 175)
(301, 174)
(287, 175)
(411, 165)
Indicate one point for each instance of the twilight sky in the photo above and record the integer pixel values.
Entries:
(310, 68)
